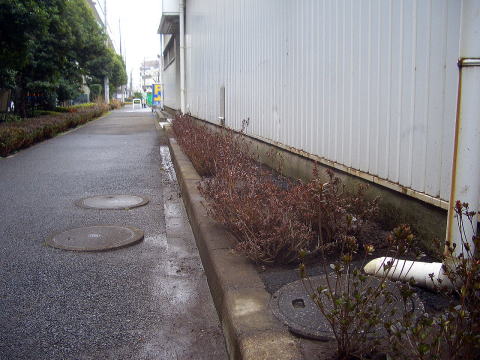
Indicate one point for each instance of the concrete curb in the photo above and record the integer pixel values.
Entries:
(251, 331)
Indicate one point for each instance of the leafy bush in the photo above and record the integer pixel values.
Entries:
(272, 217)
(115, 104)
(9, 117)
(37, 113)
(11, 138)
(95, 91)
(18, 135)
(62, 109)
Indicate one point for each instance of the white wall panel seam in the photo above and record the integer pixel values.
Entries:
(324, 77)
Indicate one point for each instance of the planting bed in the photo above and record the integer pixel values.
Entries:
(26, 132)
(278, 223)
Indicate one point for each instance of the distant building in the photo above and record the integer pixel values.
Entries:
(149, 73)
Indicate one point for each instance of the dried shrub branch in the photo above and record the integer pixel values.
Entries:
(26, 132)
(272, 217)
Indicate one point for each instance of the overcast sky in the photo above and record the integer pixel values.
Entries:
(139, 22)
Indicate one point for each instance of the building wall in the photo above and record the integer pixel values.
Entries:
(369, 85)
(171, 79)
(149, 73)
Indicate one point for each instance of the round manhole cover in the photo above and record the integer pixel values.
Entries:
(96, 238)
(292, 305)
(112, 202)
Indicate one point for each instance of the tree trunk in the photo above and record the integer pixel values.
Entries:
(21, 98)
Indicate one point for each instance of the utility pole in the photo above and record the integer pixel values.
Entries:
(131, 82)
(120, 32)
(126, 87)
(106, 85)
(143, 74)
(121, 55)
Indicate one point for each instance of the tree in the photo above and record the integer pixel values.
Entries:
(47, 55)
(95, 91)
(19, 21)
(118, 76)
(48, 48)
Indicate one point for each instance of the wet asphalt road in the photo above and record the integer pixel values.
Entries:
(148, 301)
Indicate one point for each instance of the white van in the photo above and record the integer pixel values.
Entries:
(136, 102)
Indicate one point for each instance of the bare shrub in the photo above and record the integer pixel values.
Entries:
(20, 134)
(454, 332)
(208, 150)
(272, 217)
(353, 304)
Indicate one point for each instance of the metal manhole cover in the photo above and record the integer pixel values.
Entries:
(292, 305)
(96, 238)
(112, 202)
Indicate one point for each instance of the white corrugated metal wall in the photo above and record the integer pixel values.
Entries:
(171, 78)
(368, 84)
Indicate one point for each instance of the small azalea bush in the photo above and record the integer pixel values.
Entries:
(354, 304)
(358, 306)
(272, 217)
(454, 332)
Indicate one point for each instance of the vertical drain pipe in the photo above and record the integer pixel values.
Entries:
(466, 158)
(182, 56)
(222, 106)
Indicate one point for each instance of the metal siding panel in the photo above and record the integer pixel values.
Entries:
(229, 58)
(356, 88)
(408, 93)
(339, 60)
(280, 98)
(262, 118)
(292, 140)
(375, 95)
(422, 64)
(306, 73)
(311, 115)
(436, 99)
(329, 78)
(396, 90)
(363, 89)
(323, 80)
(451, 86)
(347, 82)
(359, 83)
(385, 87)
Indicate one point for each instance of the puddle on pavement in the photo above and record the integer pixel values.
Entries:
(174, 209)
(157, 241)
(167, 164)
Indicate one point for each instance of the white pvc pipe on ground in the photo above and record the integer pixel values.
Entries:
(404, 270)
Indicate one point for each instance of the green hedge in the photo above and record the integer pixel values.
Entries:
(18, 135)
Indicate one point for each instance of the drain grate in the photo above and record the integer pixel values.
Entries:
(292, 305)
(96, 238)
(112, 202)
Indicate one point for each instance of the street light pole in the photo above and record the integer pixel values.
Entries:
(106, 85)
